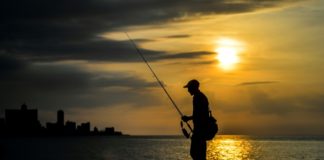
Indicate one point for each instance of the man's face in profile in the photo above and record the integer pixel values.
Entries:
(191, 90)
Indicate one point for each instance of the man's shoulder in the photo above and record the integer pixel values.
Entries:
(200, 96)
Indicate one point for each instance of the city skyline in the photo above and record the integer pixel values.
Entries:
(24, 122)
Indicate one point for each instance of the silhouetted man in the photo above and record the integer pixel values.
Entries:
(199, 117)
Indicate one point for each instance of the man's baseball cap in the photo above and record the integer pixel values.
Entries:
(192, 83)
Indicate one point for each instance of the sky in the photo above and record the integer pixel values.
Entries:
(259, 62)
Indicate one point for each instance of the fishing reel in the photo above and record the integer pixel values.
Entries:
(184, 131)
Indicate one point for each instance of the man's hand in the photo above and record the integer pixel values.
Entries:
(186, 118)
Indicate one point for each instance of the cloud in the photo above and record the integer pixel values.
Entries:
(256, 83)
(88, 50)
(267, 102)
(186, 55)
(142, 40)
(51, 86)
(53, 30)
(179, 36)
(264, 103)
(313, 102)
(10, 64)
(277, 110)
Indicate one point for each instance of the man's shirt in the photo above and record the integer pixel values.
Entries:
(200, 112)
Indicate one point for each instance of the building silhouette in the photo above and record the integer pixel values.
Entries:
(60, 118)
(56, 128)
(110, 130)
(84, 128)
(70, 128)
(2, 125)
(23, 121)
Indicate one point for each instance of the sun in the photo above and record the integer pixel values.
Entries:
(227, 57)
(228, 53)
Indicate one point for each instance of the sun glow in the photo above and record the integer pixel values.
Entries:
(228, 53)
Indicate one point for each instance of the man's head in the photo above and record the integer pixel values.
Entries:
(193, 86)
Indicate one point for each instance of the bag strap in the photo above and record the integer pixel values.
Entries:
(210, 112)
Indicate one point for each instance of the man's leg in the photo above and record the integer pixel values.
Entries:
(193, 149)
(203, 150)
(198, 149)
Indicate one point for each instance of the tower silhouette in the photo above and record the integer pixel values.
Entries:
(60, 118)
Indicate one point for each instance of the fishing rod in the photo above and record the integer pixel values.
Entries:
(160, 83)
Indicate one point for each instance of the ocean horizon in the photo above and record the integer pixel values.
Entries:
(158, 147)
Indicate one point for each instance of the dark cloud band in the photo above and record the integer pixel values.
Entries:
(57, 29)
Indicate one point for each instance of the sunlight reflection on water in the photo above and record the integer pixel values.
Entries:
(229, 148)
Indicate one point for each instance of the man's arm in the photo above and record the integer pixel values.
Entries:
(186, 118)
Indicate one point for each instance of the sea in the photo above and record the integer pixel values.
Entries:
(223, 147)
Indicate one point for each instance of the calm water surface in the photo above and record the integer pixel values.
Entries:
(161, 148)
